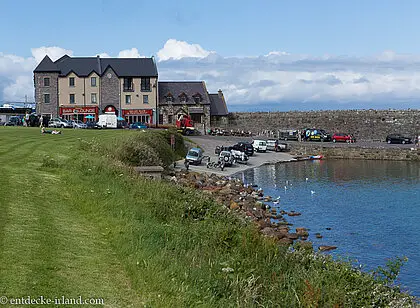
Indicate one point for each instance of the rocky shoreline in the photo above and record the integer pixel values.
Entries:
(251, 204)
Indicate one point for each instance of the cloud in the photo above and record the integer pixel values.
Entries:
(176, 50)
(277, 79)
(129, 53)
(53, 52)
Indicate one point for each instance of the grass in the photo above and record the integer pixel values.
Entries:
(76, 222)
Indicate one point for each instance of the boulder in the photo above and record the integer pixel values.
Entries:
(285, 241)
(318, 235)
(292, 236)
(234, 205)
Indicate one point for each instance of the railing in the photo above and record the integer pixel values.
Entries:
(128, 88)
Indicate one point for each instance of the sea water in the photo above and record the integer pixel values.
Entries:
(370, 210)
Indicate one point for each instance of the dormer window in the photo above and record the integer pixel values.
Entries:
(182, 98)
(197, 98)
(169, 98)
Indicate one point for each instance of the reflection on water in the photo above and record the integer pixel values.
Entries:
(372, 207)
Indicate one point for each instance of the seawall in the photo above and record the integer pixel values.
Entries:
(364, 124)
(380, 153)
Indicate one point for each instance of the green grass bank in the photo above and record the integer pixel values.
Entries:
(75, 221)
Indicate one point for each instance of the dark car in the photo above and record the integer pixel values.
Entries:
(222, 148)
(14, 121)
(245, 147)
(397, 138)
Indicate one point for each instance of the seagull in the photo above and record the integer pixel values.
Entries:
(307, 179)
(278, 198)
(276, 202)
(312, 192)
(285, 187)
(287, 182)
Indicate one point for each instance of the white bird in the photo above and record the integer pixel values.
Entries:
(287, 182)
(276, 202)
(312, 192)
(307, 179)
(285, 187)
(278, 198)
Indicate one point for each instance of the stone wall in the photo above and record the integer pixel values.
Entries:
(379, 153)
(40, 90)
(110, 90)
(363, 124)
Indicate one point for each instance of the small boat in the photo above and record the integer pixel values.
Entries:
(316, 157)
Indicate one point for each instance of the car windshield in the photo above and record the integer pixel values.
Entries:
(193, 153)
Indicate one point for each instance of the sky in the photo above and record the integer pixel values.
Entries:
(264, 55)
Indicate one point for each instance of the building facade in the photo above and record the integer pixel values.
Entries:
(184, 97)
(80, 88)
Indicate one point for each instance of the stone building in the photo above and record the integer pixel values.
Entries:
(77, 87)
(218, 109)
(191, 98)
(184, 97)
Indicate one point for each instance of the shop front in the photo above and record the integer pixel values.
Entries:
(138, 115)
(79, 113)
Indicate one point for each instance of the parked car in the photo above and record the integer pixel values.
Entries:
(317, 135)
(260, 145)
(138, 125)
(239, 157)
(78, 124)
(122, 124)
(289, 134)
(58, 122)
(340, 137)
(194, 156)
(398, 138)
(91, 124)
(276, 145)
(226, 158)
(219, 149)
(14, 121)
(245, 147)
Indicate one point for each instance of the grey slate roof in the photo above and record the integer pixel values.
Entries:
(218, 105)
(84, 66)
(46, 65)
(176, 88)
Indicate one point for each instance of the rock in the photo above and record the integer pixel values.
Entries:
(268, 231)
(328, 228)
(326, 248)
(318, 235)
(300, 230)
(292, 236)
(304, 245)
(285, 241)
(234, 205)
(294, 214)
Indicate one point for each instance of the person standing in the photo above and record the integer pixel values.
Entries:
(41, 121)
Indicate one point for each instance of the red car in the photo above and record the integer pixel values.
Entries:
(340, 137)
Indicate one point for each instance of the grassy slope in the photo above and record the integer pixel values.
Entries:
(75, 224)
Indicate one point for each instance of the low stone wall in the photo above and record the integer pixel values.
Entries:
(306, 149)
(364, 124)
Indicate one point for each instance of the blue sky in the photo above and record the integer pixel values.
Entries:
(338, 54)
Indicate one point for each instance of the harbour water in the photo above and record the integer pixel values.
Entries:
(370, 210)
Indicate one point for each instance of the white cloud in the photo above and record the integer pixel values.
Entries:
(176, 50)
(129, 53)
(103, 55)
(278, 77)
(53, 52)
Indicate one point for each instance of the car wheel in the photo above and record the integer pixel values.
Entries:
(334, 140)
(403, 142)
(62, 126)
(389, 141)
(348, 141)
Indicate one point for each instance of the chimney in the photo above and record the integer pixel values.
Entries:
(220, 93)
(98, 60)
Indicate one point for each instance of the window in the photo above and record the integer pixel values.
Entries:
(46, 81)
(145, 84)
(71, 82)
(145, 99)
(93, 81)
(169, 99)
(128, 84)
(46, 98)
(72, 101)
(183, 98)
(128, 99)
(93, 98)
(197, 98)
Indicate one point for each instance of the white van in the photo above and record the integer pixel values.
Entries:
(259, 145)
(107, 121)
